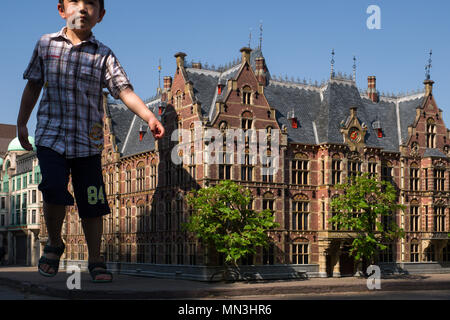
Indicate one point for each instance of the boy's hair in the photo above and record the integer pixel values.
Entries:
(101, 2)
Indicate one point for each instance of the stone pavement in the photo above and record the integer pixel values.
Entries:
(27, 279)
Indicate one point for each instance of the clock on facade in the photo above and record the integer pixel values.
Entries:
(354, 134)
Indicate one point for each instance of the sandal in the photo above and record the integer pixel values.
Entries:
(95, 273)
(53, 263)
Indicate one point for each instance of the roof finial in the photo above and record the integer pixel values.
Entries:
(250, 38)
(354, 68)
(332, 64)
(428, 67)
(260, 34)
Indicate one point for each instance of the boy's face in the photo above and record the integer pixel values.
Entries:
(81, 15)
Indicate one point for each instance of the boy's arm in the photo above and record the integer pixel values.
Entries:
(135, 104)
(29, 98)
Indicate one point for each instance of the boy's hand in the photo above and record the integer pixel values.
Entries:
(22, 132)
(156, 128)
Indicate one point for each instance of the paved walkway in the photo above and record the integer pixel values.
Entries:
(29, 280)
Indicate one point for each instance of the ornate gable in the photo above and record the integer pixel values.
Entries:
(354, 132)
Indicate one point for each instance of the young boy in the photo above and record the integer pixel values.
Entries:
(74, 67)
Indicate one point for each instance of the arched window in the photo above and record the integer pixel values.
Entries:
(246, 95)
(128, 217)
(268, 201)
(178, 99)
(300, 212)
(128, 180)
(430, 253)
(247, 120)
(414, 178)
(140, 179)
(431, 133)
(387, 171)
(300, 251)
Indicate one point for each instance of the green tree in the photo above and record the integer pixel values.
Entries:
(221, 217)
(366, 206)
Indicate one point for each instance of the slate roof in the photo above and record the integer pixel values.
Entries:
(434, 153)
(319, 110)
(126, 126)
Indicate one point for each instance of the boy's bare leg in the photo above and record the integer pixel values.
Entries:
(93, 229)
(54, 218)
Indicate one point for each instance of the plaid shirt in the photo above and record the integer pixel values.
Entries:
(70, 114)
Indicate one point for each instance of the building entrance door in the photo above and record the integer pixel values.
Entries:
(21, 250)
(346, 262)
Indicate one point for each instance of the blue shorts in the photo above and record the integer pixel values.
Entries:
(87, 182)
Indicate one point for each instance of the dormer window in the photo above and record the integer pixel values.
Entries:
(246, 95)
(219, 89)
(377, 126)
(293, 119)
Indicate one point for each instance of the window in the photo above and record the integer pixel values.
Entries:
(153, 175)
(267, 171)
(336, 170)
(140, 257)
(128, 252)
(439, 218)
(192, 171)
(431, 133)
(354, 168)
(446, 253)
(300, 253)
(179, 212)
(268, 201)
(168, 173)
(128, 180)
(128, 218)
(180, 253)
(168, 215)
(192, 254)
(268, 254)
(387, 172)
(3, 203)
(300, 169)
(387, 255)
(33, 216)
(430, 253)
(168, 257)
(246, 95)
(33, 196)
(247, 167)
(414, 180)
(80, 252)
(372, 167)
(414, 216)
(141, 217)
(414, 252)
(247, 121)
(439, 179)
(178, 100)
(300, 212)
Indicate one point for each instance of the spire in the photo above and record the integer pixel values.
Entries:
(250, 39)
(332, 64)
(428, 67)
(260, 34)
(354, 68)
(428, 82)
(159, 76)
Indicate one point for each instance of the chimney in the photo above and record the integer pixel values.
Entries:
(261, 71)
(167, 83)
(246, 54)
(196, 65)
(372, 89)
(180, 59)
(428, 87)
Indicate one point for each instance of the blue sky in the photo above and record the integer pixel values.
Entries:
(298, 38)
